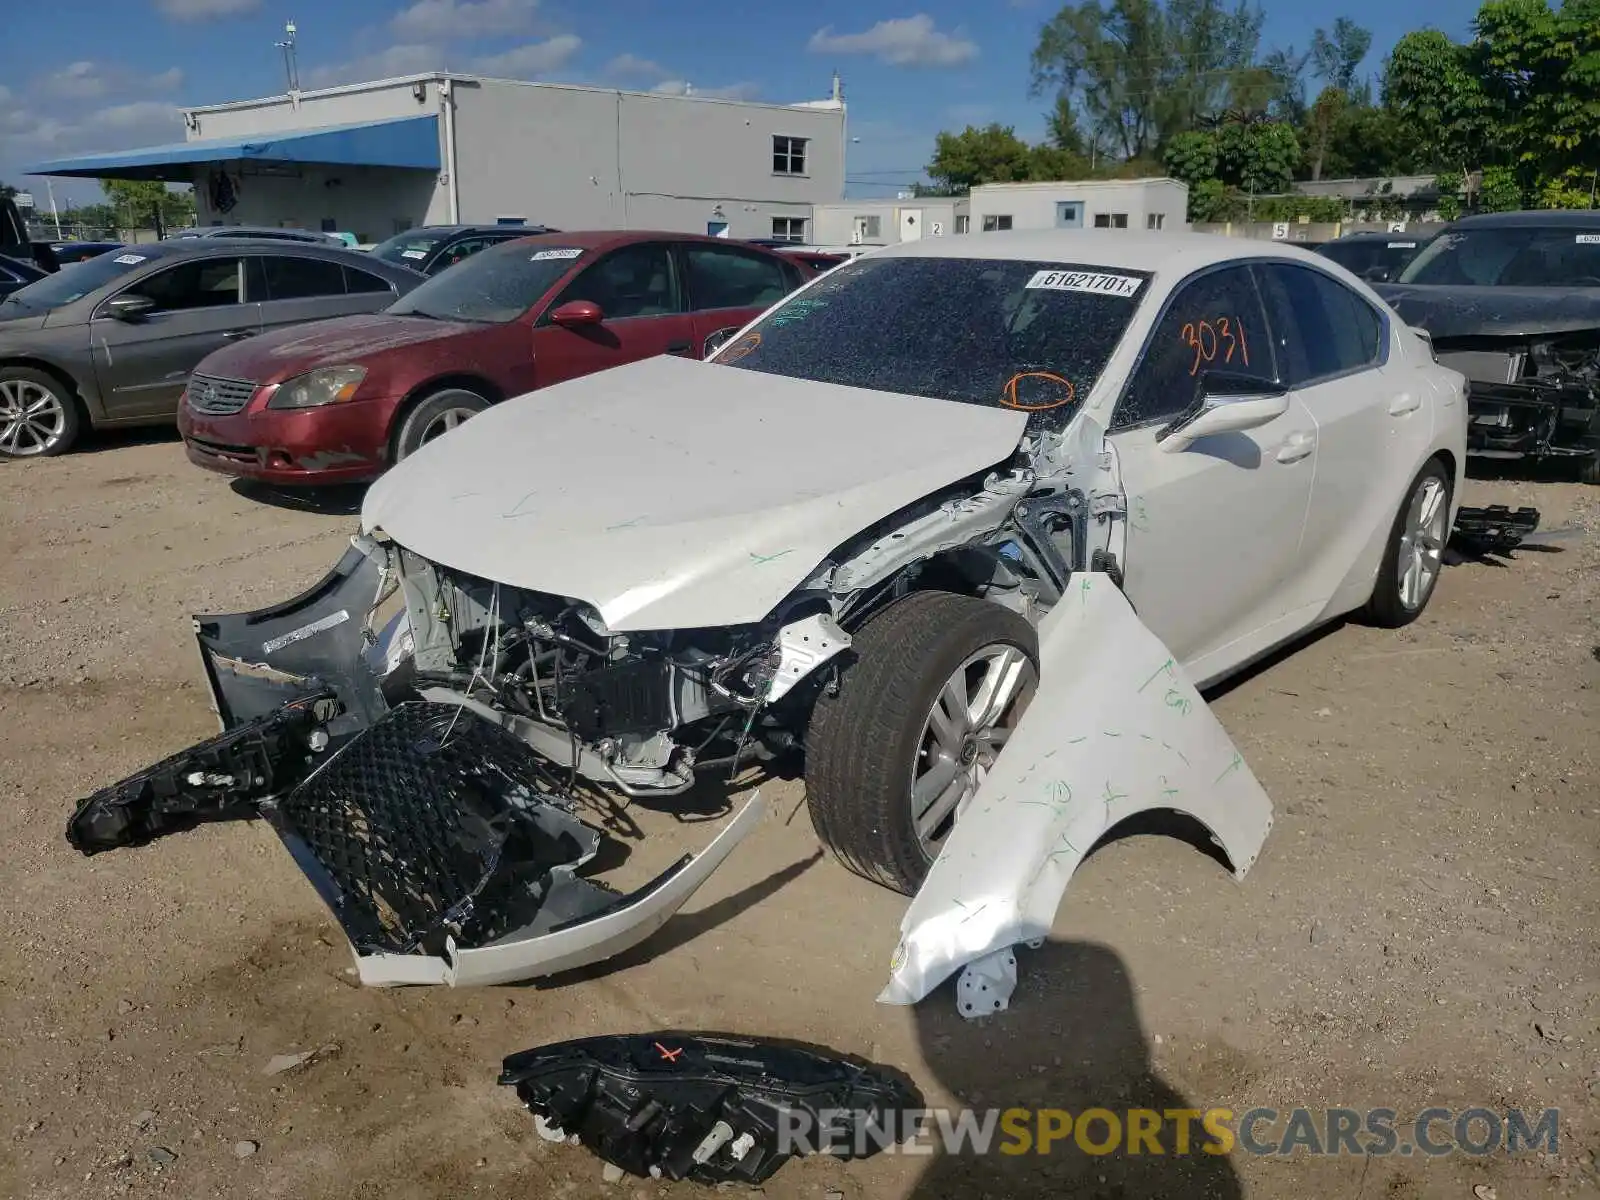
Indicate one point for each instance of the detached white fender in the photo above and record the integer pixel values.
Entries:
(1114, 729)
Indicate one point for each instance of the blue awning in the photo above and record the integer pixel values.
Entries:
(402, 142)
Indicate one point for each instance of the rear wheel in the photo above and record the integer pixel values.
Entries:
(38, 414)
(936, 685)
(1414, 555)
(435, 415)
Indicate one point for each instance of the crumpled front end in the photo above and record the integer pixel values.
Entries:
(1530, 397)
(446, 849)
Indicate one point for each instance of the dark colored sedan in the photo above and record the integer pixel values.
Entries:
(340, 401)
(111, 341)
(1375, 257)
(432, 248)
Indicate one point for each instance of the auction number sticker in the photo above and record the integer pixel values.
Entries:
(1093, 282)
(413, 254)
(1589, 239)
(129, 260)
(547, 255)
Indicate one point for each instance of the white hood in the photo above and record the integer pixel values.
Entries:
(673, 494)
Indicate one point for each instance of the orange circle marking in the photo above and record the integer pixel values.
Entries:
(1008, 394)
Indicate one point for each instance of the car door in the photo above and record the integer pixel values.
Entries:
(642, 314)
(1214, 529)
(1372, 416)
(143, 364)
(296, 288)
(729, 287)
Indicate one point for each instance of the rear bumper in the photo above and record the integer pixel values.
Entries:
(343, 443)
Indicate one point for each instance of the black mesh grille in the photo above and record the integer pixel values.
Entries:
(431, 821)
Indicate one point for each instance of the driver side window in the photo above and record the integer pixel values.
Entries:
(634, 281)
(1212, 322)
(199, 283)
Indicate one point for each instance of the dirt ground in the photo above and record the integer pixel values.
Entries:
(1419, 930)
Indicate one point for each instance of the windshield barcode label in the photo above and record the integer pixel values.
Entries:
(547, 255)
(1093, 282)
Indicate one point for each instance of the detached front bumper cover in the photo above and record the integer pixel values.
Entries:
(709, 1108)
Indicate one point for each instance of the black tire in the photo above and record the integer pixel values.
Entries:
(46, 434)
(423, 420)
(1387, 607)
(1589, 469)
(863, 742)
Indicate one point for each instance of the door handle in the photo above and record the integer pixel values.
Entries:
(234, 335)
(680, 347)
(1296, 446)
(1403, 403)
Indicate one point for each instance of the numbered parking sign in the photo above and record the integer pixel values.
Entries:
(1280, 230)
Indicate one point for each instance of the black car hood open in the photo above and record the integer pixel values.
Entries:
(1456, 312)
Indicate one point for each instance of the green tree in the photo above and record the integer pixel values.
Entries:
(148, 202)
(1499, 191)
(1336, 56)
(1192, 157)
(1430, 81)
(993, 154)
(1258, 158)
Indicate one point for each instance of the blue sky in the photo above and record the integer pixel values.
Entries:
(82, 75)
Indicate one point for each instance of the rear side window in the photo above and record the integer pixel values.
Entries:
(1323, 328)
(359, 282)
(728, 278)
(1213, 322)
(289, 278)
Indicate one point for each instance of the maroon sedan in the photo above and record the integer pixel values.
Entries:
(339, 401)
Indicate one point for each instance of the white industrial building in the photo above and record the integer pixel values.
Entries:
(374, 159)
(884, 222)
(1148, 204)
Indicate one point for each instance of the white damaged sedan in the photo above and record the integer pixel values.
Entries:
(963, 522)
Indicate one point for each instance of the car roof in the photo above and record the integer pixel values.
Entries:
(1537, 217)
(205, 231)
(514, 230)
(1363, 235)
(210, 246)
(605, 239)
(1131, 250)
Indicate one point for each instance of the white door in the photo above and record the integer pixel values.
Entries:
(910, 224)
(1373, 421)
(1214, 530)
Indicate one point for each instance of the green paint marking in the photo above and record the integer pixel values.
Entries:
(1176, 751)
(1238, 761)
(1109, 733)
(758, 559)
(1083, 590)
(1166, 666)
(1076, 740)
(628, 524)
(1176, 699)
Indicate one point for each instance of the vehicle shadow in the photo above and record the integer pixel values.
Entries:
(339, 500)
(99, 441)
(1072, 1041)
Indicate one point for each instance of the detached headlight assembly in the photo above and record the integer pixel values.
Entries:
(325, 385)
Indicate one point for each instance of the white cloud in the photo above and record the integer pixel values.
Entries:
(26, 136)
(682, 87)
(203, 10)
(410, 59)
(533, 59)
(631, 66)
(86, 80)
(902, 42)
(464, 19)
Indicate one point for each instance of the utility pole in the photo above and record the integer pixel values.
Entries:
(54, 215)
(290, 67)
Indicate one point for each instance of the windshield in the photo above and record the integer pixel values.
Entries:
(1511, 256)
(409, 249)
(499, 284)
(1030, 336)
(77, 280)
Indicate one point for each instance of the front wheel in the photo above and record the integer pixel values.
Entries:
(1414, 554)
(936, 684)
(38, 414)
(434, 416)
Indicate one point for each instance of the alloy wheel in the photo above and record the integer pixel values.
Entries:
(443, 423)
(32, 418)
(971, 718)
(1421, 550)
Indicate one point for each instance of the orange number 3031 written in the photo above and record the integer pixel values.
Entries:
(1222, 337)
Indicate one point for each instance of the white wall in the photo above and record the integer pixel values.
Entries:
(1033, 205)
(835, 224)
(371, 202)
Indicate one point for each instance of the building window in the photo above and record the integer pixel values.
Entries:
(1111, 220)
(788, 155)
(1155, 220)
(996, 222)
(963, 224)
(871, 227)
(789, 229)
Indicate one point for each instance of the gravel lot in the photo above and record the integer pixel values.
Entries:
(1419, 930)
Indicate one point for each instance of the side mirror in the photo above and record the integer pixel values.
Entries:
(1225, 402)
(577, 313)
(129, 308)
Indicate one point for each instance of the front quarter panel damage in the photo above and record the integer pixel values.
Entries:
(1114, 729)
